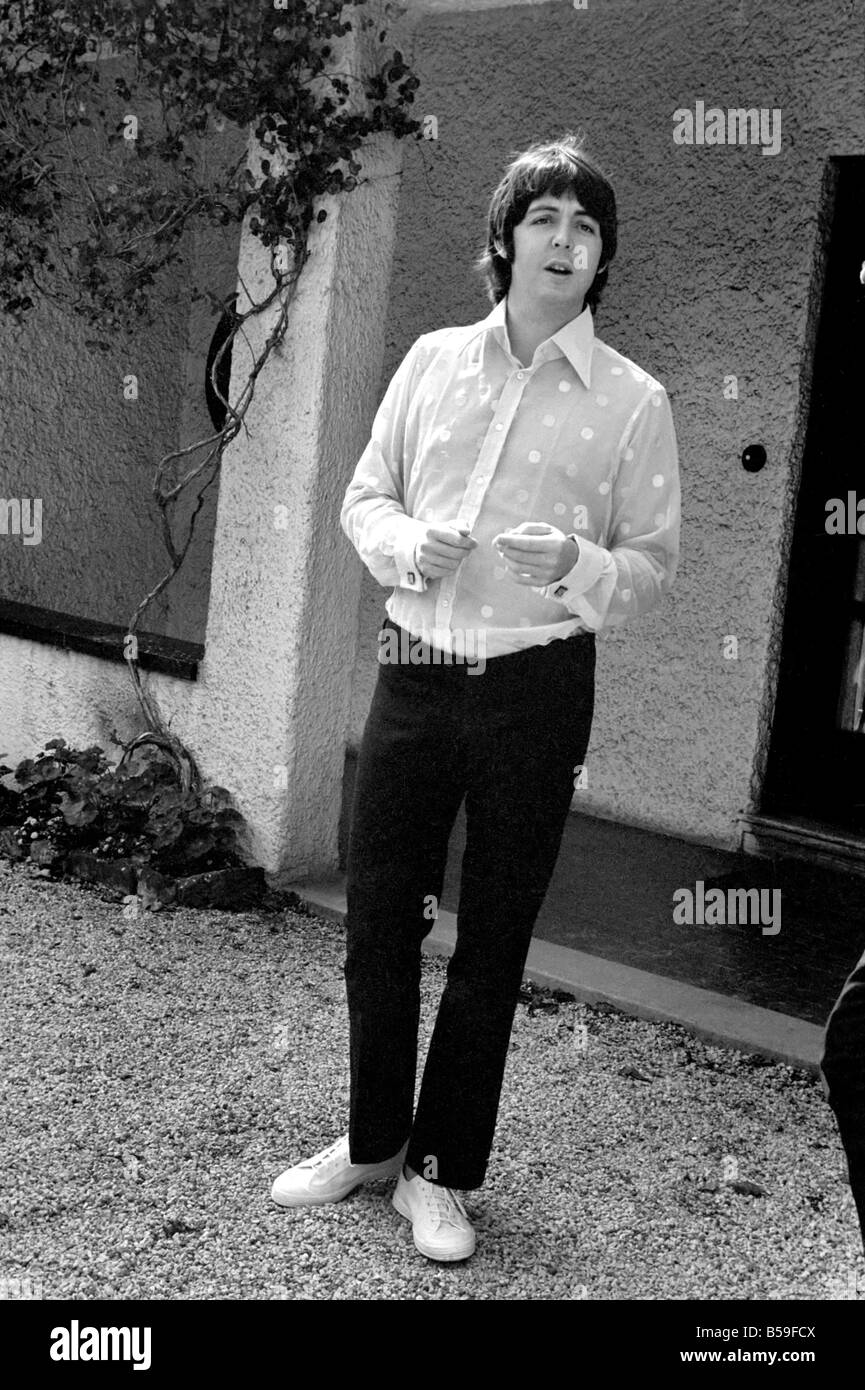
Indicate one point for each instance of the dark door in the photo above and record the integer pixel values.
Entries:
(816, 767)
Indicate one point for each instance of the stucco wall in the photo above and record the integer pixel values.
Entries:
(266, 714)
(717, 273)
(273, 690)
(71, 438)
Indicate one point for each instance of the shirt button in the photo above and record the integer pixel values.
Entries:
(499, 426)
(445, 603)
(520, 376)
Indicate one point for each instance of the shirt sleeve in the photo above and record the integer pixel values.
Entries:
(373, 514)
(609, 586)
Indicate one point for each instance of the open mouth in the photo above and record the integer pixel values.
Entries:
(559, 269)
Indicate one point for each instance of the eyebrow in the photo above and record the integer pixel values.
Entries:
(554, 207)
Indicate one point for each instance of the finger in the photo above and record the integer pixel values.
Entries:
(442, 551)
(451, 536)
(531, 545)
(524, 562)
(529, 528)
(462, 527)
(521, 572)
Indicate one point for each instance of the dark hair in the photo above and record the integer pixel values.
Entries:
(557, 167)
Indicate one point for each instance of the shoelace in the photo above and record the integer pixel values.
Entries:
(441, 1202)
(333, 1151)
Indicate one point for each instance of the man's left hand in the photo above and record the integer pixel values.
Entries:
(536, 554)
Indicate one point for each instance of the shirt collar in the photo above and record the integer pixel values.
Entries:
(575, 340)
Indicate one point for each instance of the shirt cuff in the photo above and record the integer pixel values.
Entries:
(405, 559)
(586, 572)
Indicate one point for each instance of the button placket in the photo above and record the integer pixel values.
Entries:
(483, 472)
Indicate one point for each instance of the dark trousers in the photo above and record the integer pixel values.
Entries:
(508, 740)
(843, 1067)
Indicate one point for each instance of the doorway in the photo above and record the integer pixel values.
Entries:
(816, 764)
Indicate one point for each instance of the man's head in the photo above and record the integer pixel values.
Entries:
(559, 177)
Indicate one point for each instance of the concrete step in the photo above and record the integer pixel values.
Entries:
(719, 1018)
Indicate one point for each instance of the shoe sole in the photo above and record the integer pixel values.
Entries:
(291, 1199)
(446, 1257)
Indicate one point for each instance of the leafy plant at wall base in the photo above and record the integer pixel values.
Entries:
(74, 799)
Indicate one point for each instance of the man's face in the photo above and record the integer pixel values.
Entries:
(555, 230)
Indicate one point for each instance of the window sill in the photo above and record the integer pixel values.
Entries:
(170, 655)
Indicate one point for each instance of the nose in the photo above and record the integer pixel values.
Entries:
(561, 237)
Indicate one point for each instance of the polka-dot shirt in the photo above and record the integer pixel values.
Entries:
(581, 439)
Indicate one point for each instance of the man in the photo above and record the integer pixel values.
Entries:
(521, 485)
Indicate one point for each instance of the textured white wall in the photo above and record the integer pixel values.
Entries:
(273, 694)
(70, 437)
(267, 716)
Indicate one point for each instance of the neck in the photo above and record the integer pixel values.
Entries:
(530, 324)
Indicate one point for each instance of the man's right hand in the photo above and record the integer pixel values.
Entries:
(442, 551)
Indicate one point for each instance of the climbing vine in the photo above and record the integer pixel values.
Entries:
(97, 197)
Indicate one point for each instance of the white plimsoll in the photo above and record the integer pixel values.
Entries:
(329, 1176)
(441, 1228)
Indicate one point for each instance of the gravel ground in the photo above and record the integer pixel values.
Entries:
(159, 1071)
